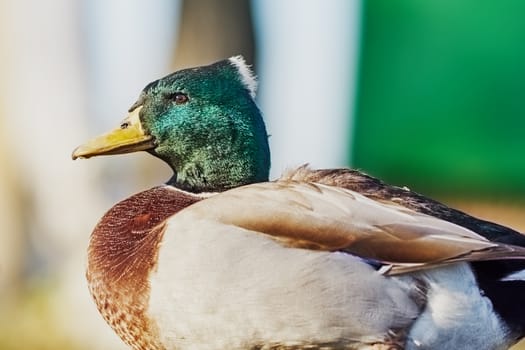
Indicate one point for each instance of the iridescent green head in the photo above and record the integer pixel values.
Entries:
(203, 122)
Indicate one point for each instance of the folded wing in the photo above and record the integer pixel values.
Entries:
(321, 217)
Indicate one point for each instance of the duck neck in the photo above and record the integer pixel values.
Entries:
(207, 174)
(220, 154)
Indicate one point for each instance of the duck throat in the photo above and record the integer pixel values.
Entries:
(122, 254)
(218, 165)
(216, 150)
(217, 175)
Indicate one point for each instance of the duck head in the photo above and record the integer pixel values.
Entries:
(201, 121)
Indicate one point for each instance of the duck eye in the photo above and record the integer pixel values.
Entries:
(179, 98)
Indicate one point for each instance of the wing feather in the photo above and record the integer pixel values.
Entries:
(322, 217)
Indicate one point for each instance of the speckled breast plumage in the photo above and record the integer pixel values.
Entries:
(122, 253)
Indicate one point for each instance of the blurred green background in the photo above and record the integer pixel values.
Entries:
(441, 102)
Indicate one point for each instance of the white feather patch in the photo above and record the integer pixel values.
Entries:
(515, 276)
(457, 315)
(246, 74)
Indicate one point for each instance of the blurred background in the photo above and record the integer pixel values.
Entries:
(427, 94)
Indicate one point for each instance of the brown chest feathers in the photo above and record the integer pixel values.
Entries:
(123, 250)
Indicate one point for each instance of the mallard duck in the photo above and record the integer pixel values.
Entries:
(220, 257)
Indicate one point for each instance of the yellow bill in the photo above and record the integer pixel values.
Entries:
(129, 137)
